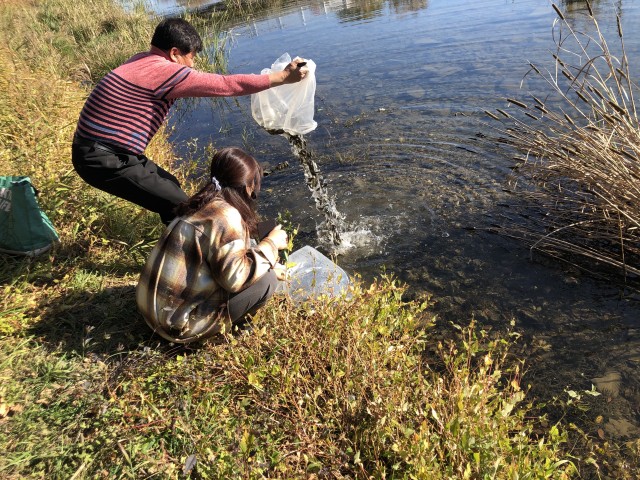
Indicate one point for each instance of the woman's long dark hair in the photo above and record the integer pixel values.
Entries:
(234, 169)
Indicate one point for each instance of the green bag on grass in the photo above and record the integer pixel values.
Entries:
(24, 228)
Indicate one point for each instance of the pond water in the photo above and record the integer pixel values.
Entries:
(406, 150)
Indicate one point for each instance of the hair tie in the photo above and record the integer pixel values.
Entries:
(216, 184)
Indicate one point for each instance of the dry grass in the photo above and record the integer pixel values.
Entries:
(39, 112)
(580, 150)
(69, 40)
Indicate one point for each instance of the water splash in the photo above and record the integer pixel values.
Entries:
(359, 238)
(333, 225)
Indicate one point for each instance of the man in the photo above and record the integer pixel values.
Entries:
(128, 106)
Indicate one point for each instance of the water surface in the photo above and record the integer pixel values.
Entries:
(407, 150)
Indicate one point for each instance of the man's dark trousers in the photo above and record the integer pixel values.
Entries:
(132, 177)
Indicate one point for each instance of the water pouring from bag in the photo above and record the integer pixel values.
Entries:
(334, 220)
(288, 110)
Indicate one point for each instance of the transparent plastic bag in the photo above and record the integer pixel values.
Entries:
(287, 107)
(310, 274)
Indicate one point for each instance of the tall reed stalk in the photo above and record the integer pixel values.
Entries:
(579, 149)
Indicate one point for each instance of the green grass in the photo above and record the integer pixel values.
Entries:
(364, 387)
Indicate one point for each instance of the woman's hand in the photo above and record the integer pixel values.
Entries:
(291, 74)
(280, 271)
(279, 237)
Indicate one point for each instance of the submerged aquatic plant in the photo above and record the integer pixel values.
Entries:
(580, 150)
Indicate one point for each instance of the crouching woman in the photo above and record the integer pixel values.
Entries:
(203, 276)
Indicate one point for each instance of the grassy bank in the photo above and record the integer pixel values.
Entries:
(354, 388)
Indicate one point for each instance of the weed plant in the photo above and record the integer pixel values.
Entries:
(580, 150)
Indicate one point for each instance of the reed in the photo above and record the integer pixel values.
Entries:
(580, 151)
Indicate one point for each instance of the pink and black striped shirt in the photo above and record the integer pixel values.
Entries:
(130, 103)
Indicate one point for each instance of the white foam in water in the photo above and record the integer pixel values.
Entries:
(359, 237)
(334, 234)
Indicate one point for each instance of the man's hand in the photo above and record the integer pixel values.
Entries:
(291, 74)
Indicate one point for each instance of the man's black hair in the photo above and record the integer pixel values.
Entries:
(176, 32)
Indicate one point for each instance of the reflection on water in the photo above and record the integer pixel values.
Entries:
(605, 11)
(408, 6)
(175, 7)
(356, 10)
(571, 7)
(349, 10)
(405, 147)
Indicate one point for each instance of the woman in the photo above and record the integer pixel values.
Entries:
(203, 276)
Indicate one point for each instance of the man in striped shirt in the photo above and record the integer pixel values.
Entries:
(128, 106)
